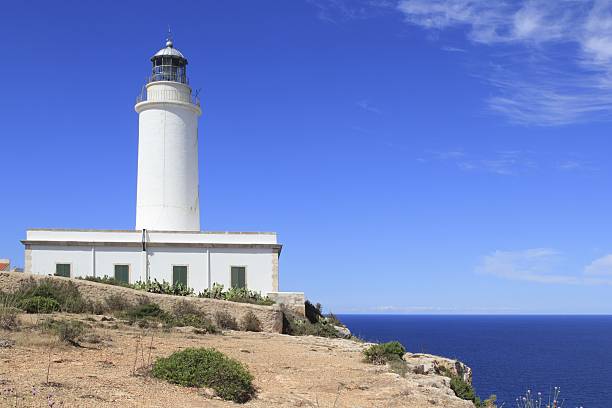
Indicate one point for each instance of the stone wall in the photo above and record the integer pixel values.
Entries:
(294, 301)
(271, 317)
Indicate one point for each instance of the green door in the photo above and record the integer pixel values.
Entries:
(122, 273)
(62, 270)
(179, 275)
(238, 277)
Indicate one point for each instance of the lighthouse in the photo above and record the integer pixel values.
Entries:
(167, 196)
(167, 244)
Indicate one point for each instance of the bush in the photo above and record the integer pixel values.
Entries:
(313, 312)
(145, 310)
(39, 304)
(8, 318)
(250, 322)
(462, 389)
(384, 353)
(107, 280)
(202, 367)
(296, 326)
(64, 293)
(117, 303)
(241, 295)
(67, 331)
(226, 321)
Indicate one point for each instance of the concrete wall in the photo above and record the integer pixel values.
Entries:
(167, 196)
(92, 260)
(270, 316)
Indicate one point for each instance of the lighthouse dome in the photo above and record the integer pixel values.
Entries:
(168, 51)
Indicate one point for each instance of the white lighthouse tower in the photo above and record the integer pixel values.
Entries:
(167, 197)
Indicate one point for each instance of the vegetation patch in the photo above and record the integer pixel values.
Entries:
(50, 295)
(205, 367)
(250, 322)
(315, 323)
(241, 295)
(226, 321)
(384, 353)
(465, 390)
(67, 331)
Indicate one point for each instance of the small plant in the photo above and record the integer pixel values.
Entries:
(226, 321)
(250, 322)
(47, 295)
(8, 312)
(384, 353)
(116, 302)
(530, 400)
(241, 295)
(463, 389)
(70, 331)
(67, 331)
(203, 367)
(39, 304)
(106, 280)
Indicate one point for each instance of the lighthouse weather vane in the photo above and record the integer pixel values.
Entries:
(169, 39)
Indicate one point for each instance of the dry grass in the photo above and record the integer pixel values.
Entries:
(288, 371)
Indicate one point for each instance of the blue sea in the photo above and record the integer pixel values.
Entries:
(511, 354)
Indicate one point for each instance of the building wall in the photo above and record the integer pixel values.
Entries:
(86, 260)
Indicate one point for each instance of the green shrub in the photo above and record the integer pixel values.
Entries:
(107, 280)
(116, 302)
(226, 321)
(202, 367)
(250, 322)
(241, 295)
(8, 312)
(64, 292)
(39, 304)
(313, 312)
(67, 331)
(297, 326)
(145, 310)
(384, 353)
(463, 389)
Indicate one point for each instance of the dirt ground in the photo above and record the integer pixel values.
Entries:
(289, 371)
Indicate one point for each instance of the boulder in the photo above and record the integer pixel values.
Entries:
(426, 364)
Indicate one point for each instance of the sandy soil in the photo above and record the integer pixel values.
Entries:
(289, 371)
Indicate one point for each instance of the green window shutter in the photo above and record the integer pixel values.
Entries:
(179, 275)
(238, 277)
(62, 270)
(122, 273)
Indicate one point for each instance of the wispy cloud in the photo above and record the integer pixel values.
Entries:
(505, 162)
(550, 60)
(340, 10)
(541, 265)
(365, 105)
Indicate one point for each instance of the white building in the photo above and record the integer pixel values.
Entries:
(167, 243)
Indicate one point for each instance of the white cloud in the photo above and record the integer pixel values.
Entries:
(365, 105)
(601, 266)
(555, 67)
(540, 265)
(506, 162)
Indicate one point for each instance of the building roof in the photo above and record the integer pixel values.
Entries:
(169, 51)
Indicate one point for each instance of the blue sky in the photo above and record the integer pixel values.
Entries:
(415, 156)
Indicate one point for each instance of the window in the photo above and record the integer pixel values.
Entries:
(238, 277)
(62, 270)
(122, 273)
(179, 275)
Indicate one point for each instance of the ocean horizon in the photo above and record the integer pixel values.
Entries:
(510, 354)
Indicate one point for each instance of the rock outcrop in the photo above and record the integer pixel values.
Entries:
(428, 364)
